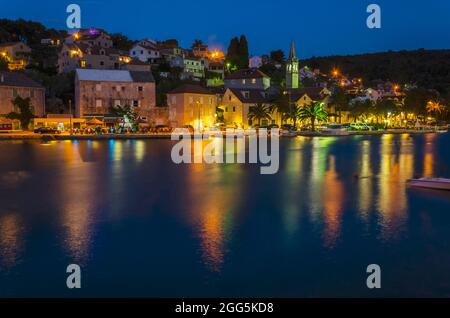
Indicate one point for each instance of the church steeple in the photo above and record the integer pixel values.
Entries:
(292, 69)
(292, 51)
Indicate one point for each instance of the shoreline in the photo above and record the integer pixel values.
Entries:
(32, 136)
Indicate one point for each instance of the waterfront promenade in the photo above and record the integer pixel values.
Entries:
(35, 136)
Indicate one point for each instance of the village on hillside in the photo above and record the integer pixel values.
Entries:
(90, 81)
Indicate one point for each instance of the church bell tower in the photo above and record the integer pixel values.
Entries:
(292, 69)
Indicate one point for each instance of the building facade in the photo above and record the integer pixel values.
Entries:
(146, 51)
(237, 103)
(192, 105)
(97, 90)
(13, 84)
(91, 37)
(255, 62)
(16, 54)
(248, 79)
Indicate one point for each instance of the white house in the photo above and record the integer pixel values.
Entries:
(255, 62)
(146, 51)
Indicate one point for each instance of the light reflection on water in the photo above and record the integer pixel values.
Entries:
(329, 192)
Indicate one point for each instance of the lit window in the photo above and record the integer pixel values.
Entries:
(254, 81)
(98, 103)
(98, 87)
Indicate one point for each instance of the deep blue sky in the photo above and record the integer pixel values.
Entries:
(319, 27)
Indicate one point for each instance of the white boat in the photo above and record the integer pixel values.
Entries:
(430, 183)
(335, 130)
(288, 133)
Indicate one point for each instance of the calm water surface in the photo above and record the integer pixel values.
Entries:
(141, 226)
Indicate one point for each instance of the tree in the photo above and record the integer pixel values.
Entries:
(313, 112)
(243, 52)
(340, 101)
(232, 57)
(277, 56)
(3, 64)
(121, 42)
(417, 98)
(292, 114)
(197, 43)
(126, 112)
(386, 106)
(361, 108)
(282, 105)
(237, 54)
(259, 112)
(435, 107)
(23, 112)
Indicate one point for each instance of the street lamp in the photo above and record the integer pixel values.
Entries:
(70, 116)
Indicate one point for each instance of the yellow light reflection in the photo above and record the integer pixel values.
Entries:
(428, 160)
(10, 240)
(292, 185)
(212, 207)
(365, 180)
(333, 197)
(78, 190)
(394, 171)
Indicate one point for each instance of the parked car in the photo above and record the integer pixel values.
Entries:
(46, 130)
(288, 127)
(163, 129)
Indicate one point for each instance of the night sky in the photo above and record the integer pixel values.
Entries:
(319, 27)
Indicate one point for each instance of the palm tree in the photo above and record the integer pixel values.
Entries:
(25, 114)
(292, 115)
(313, 112)
(126, 112)
(259, 112)
(435, 107)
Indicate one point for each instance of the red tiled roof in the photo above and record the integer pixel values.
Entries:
(247, 73)
(189, 88)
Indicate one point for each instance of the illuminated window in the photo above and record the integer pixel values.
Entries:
(98, 87)
(83, 63)
(254, 81)
(98, 103)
